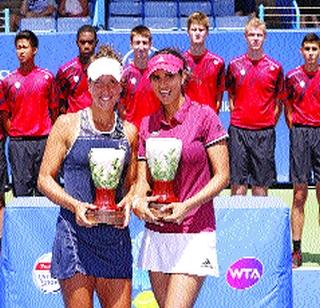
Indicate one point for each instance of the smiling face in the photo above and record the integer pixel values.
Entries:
(105, 92)
(25, 52)
(197, 33)
(310, 52)
(167, 86)
(255, 37)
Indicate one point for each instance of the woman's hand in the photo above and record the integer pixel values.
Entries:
(125, 205)
(178, 211)
(80, 212)
(140, 206)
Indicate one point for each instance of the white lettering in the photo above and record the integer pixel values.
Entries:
(248, 273)
(225, 106)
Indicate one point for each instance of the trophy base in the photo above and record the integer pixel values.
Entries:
(109, 217)
(155, 209)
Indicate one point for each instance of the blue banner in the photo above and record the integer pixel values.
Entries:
(253, 244)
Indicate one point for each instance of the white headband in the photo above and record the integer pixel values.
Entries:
(105, 66)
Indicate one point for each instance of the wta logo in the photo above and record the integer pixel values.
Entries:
(244, 273)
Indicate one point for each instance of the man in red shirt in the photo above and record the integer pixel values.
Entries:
(3, 174)
(255, 86)
(138, 98)
(72, 77)
(302, 111)
(29, 107)
(207, 70)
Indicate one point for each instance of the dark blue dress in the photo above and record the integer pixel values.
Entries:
(102, 251)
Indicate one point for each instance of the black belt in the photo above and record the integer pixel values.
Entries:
(24, 138)
(305, 126)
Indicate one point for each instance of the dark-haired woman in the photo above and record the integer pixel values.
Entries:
(179, 249)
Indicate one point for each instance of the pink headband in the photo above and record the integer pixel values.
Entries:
(167, 62)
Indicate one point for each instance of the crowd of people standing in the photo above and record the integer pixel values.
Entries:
(94, 102)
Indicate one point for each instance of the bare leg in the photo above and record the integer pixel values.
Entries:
(78, 291)
(259, 191)
(300, 193)
(318, 199)
(239, 190)
(159, 282)
(115, 293)
(183, 290)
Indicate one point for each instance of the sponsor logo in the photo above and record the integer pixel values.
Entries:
(244, 273)
(133, 81)
(206, 263)
(41, 275)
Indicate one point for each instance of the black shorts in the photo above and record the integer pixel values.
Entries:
(252, 159)
(304, 154)
(3, 168)
(25, 158)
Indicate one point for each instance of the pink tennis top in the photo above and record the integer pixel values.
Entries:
(198, 127)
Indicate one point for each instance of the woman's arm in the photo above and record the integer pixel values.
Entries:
(59, 141)
(219, 161)
(130, 179)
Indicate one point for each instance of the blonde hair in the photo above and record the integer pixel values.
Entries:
(108, 52)
(255, 22)
(198, 18)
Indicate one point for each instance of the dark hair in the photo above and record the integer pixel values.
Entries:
(28, 35)
(141, 30)
(310, 38)
(87, 28)
(174, 52)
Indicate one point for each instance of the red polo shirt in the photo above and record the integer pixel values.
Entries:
(138, 99)
(29, 99)
(72, 83)
(207, 78)
(303, 93)
(256, 85)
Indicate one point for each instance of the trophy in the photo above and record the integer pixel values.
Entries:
(106, 166)
(163, 156)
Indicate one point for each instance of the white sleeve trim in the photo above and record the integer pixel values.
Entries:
(216, 140)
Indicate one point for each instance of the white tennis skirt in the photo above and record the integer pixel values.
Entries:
(183, 253)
